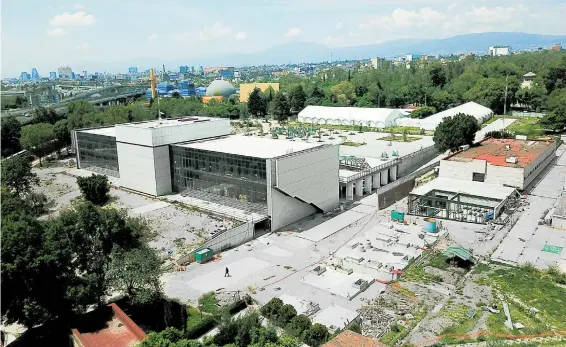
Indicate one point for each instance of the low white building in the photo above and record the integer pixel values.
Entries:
(511, 162)
(496, 51)
(374, 117)
(479, 112)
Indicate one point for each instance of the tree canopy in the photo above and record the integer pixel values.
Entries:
(454, 132)
(94, 188)
(256, 103)
(17, 175)
(11, 130)
(37, 139)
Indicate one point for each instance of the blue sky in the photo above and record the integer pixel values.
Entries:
(92, 34)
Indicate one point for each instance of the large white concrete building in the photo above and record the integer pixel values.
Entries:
(197, 156)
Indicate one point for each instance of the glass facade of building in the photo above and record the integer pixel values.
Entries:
(98, 153)
(234, 176)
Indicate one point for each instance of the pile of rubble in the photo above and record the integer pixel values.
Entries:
(378, 315)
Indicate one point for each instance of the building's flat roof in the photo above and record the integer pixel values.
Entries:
(107, 131)
(481, 189)
(171, 122)
(496, 151)
(256, 147)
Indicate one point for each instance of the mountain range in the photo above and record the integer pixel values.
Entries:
(310, 52)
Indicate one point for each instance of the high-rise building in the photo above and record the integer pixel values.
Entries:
(34, 75)
(192, 69)
(183, 69)
(52, 75)
(65, 72)
(376, 62)
(201, 70)
(133, 69)
(73, 76)
(24, 76)
(84, 74)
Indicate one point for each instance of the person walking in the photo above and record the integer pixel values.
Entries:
(227, 273)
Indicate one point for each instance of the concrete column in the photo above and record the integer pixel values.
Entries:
(384, 177)
(360, 188)
(367, 183)
(393, 172)
(376, 180)
(350, 191)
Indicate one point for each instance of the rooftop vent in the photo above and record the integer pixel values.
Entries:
(512, 160)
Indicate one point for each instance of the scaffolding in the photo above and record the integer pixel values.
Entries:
(455, 206)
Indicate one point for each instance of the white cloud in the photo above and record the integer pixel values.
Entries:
(242, 35)
(77, 19)
(83, 47)
(78, 7)
(152, 37)
(293, 32)
(56, 32)
(404, 19)
(339, 25)
(214, 32)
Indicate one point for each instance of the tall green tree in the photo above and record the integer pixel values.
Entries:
(136, 273)
(256, 104)
(556, 119)
(423, 112)
(38, 139)
(10, 130)
(62, 133)
(454, 132)
(17, 175)
(297, 99)
(280, 109)
(45, 115)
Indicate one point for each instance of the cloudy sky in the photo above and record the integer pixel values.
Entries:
(49, 33)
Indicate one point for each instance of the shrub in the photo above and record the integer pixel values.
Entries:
(316, 335)
(208, 303)
(298, 325)
(355, 327)
(272, 308)
(286, 313)
(201, 327)
(94, 188)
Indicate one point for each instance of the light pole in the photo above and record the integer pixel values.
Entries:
(504, 105)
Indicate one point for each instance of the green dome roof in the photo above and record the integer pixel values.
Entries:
(221, 88)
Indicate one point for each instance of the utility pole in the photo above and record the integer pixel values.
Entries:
(504, 106)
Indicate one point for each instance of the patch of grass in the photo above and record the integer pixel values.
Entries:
(481, 268)
(352, 144)
(208, 303)
(438, 261)
(533, 288)
(400, 129)
(288, 267)
(396, 333)
(416, 273)
(462, 322)
(529, 126)
(399, 138)
(405, 291)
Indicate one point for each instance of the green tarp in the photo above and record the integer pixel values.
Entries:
(552, 249)
(458, 251)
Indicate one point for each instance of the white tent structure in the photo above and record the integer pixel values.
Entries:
(375, 117)
(479, 112)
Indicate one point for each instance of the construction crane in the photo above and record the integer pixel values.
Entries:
(152, 80)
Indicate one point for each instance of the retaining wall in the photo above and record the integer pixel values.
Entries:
(228, 239)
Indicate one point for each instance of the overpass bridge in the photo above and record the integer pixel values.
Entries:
(107, 96)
